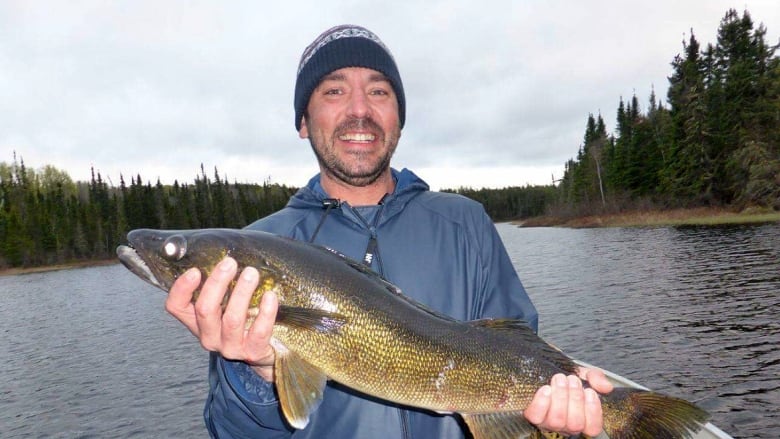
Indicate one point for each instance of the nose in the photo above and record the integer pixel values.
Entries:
(358, 105)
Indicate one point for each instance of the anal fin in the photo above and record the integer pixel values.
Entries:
(538, 434)
(505, 425)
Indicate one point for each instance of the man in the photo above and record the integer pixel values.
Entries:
(440, 249)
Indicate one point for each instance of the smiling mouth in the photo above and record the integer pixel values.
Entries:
(357, 137)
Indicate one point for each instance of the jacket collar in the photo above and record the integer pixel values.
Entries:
(408, 185)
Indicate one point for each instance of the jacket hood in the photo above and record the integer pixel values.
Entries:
(407, 186)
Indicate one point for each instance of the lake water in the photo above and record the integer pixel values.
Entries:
(694, 312)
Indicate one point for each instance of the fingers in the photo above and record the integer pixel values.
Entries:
(575, 421)
(566, 407)
(558, 413)
(179, 300)
(208, 308)
(550, 405)
(537, 410)
(594, 419)
(596, 379)
(259, 351)
(235, 317)
(226, 332)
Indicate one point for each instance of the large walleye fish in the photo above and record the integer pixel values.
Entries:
(338, 320)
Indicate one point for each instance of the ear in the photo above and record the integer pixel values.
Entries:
(303, 133)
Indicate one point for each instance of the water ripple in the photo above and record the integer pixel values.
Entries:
(92, 353)
(689, 311)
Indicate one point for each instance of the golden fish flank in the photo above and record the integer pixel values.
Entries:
(339, 321)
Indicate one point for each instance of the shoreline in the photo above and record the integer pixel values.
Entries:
(640, 218)
(704, 216)
(56, 267)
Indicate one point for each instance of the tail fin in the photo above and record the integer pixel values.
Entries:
(635, 414)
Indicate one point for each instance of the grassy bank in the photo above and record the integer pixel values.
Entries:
(658, 218)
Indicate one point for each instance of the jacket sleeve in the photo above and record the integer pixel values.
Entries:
(503, 294)
(240, 404)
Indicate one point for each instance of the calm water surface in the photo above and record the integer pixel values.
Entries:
(91, 353)
(692, 312)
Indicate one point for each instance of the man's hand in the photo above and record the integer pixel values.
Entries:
(565, 406)
(226, 332)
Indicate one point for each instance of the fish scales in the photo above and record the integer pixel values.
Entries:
(424, 360)
(339, 321)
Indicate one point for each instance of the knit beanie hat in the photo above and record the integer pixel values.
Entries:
(339, 47)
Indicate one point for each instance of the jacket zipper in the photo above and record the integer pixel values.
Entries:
(372, 253)
(404, 416)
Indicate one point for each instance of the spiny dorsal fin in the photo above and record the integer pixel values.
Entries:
(310, 318)
(507, 425)
(300, 387)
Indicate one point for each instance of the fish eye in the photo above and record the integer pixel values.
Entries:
(175, 247)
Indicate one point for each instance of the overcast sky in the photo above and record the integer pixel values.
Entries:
(498, 92)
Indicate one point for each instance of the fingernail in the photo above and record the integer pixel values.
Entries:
(546, 390)
(590, 396)
(227, 264)
(192, 274)
(266, 305)
(249, 274)
(574, 382)
(559, 380)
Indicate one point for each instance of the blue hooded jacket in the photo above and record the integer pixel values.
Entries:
(441, 249)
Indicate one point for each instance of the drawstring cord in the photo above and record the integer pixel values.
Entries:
(372, 249)
(327, 204)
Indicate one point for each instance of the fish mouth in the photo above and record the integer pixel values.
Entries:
(130, 258)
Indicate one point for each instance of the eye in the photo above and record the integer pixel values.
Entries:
(174, 248)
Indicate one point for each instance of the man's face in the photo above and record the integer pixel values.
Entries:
(352, 125)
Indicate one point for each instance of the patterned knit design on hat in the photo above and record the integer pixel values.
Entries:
(339, 47)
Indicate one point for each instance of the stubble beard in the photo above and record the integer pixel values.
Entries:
(364, 170)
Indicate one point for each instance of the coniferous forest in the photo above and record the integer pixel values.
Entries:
(46, 218)
(715, 141)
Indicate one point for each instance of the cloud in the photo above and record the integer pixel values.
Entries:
(495, 90)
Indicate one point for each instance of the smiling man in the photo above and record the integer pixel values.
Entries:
(440, 249)
(353, 127)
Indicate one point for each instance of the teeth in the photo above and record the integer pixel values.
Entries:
(358, 137)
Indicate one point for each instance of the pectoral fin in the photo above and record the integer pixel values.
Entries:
(509, 425)
(310, 318)
(300, 387)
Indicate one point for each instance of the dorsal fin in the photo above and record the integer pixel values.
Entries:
(515, 332)
(389, 286)
(502, 324)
